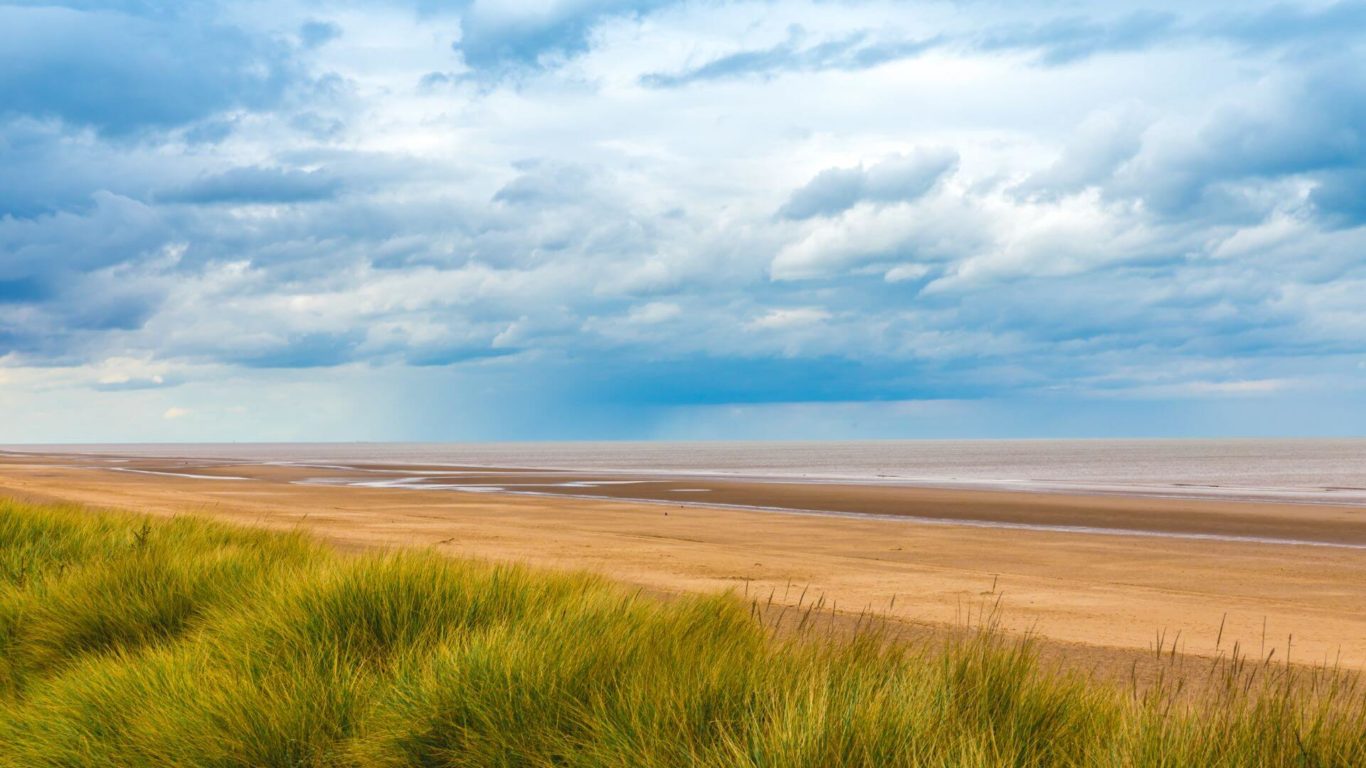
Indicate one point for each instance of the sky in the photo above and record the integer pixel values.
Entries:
(649, 219)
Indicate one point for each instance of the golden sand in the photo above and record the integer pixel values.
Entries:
(1109, 596)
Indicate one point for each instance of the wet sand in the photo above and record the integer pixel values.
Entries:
(1100, 576)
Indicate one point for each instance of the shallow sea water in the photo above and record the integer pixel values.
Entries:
(1320, 469)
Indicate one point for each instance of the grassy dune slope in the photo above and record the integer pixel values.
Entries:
(126, 641)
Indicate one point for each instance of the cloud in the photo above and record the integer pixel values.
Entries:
(779, 319)
(542, 184)
(1067, 40)
(275, 208)
(76, 276)
(120, 73)
(896, 179)
(653, 313)
(315, 33)
(306, 350)
(156, 382)
(1062, 41)
(851, 53)
(1298, 123)
(1285, 23)
(932, 233)
(50, 167)
(115, 231)
(126, 374)
(1100, 145)
(175, 412)
(709, 380)
(1341, 196)
(24, 290)
(257, 185)
(1052, 42)
(498, 37)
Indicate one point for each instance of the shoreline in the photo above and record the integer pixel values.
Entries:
(1228, 519)
(1336, 486)
(907, 519)
(1109, 593)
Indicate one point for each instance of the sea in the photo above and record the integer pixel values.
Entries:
(1305, 470)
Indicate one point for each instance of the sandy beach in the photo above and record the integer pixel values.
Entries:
(1099, 577)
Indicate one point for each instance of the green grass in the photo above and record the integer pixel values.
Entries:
(128, 641)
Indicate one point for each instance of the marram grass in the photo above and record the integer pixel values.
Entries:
(129, 641)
